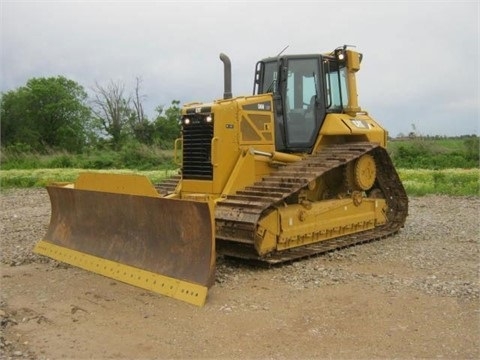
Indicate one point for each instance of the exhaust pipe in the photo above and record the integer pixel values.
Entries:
(227, 76)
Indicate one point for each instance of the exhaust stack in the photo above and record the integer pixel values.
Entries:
(227, 76)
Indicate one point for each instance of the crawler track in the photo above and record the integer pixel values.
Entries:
(237, 216)
(168, 186)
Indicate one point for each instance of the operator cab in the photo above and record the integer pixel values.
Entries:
(305, 88)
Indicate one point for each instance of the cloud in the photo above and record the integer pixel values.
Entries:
(420, 58)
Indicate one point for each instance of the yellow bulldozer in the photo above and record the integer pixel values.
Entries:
(296, 169)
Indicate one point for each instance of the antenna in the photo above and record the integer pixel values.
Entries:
(281, 52)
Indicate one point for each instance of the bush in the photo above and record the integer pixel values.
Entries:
(472, 148)
(101, 160)
(138, 156)
(435, 153)
(131, 156)
(13, 159)
(62, 161)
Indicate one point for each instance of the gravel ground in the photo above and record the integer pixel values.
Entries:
(436, 257)
(442, 238)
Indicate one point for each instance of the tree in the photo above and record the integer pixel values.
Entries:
(46, 113)
(142, 129)
(113, 111)
(139, 115)
(166, 125)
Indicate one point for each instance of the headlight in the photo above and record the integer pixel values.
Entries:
(340, 53)
(197, 119)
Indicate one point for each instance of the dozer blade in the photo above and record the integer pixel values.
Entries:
(163, 245)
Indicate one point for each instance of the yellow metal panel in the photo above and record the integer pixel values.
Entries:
(196, 186)
(296, 225)
(249, 133)
(116, 183)
(267, 231)
(327, 219)
(256, 115)
(353, 65)
(226, 149)
(181, 290)
(343, 127)
(243, 173)
(333, 125)
(353, 60)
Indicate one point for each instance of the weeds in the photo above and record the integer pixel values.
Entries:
(136, 156)
(426, 166)
(441, 182)
(42, 177)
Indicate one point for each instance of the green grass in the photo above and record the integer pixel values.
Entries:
(435, 145)
(435, 153)
(419, 182)
(448, 166)
(41, 177)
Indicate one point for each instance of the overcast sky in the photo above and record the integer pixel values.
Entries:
(420, 64)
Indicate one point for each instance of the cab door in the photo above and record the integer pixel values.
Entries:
(304, 108)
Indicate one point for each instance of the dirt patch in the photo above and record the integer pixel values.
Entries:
(414, 295)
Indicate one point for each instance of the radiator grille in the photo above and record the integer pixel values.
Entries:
(197, 145)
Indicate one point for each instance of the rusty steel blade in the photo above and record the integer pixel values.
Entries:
(170, 237)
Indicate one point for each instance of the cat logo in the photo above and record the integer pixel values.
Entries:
(361, 124)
